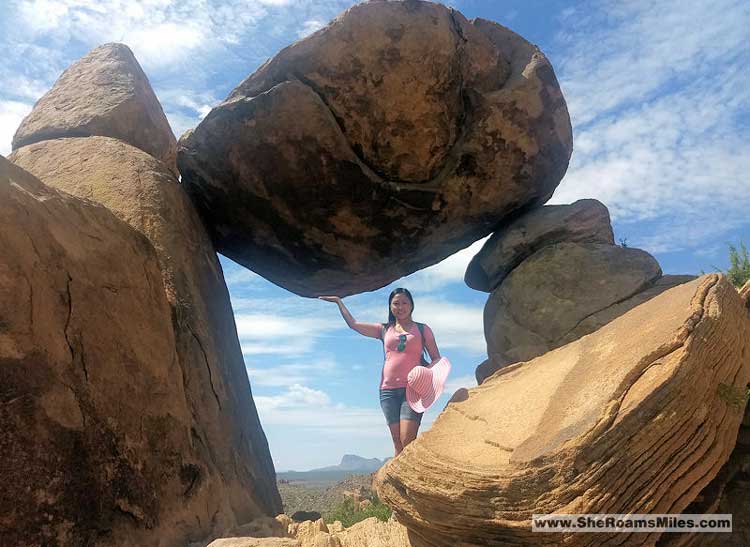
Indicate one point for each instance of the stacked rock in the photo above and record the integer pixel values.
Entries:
(555, 274)
(377, 146)
(199, 464)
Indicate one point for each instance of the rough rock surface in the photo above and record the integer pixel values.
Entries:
(547, 299)
(104, 93)
(94, 426)
(627, 419)
(321, 174)
(234, 474)
(585, 221)
(368, 533)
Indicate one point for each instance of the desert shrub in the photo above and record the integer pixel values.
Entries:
(739, 264)
(348, 512)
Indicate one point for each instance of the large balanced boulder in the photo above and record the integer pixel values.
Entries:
(585, 221)
(630, 419)
(542, 303)
(234, 473)
(95, 431)
(104, 93)
(377, 146)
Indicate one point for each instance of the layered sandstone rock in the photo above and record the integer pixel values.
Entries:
(629, 419)
(95, 429)
(377, 146)
(545, 301)
(585, 221)
(232, 476)
(104, 93)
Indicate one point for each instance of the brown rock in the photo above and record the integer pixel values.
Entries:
(626, 420)
(745, 294)
(94, 426)
(323, 175)
(552, 292)
(235, 471)
(104, 93)
(585, 221)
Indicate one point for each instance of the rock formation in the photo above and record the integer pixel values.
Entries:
(628, 419)
(322, 174)
(105, 93)
(230, 478)
(94, 425)
(585, 221)
(555, 275)
(282, 532)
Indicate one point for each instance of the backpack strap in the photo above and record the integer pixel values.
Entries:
(425, 356)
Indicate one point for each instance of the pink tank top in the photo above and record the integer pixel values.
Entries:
(397, 363)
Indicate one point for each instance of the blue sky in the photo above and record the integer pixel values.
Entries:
(659, 96)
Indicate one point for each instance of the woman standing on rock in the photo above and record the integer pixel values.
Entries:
(403, 341)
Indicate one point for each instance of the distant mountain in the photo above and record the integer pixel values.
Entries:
(353, 463)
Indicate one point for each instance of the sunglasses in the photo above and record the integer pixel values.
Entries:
(401, 342)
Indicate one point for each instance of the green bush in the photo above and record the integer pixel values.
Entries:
(348, 512)
(739, 265)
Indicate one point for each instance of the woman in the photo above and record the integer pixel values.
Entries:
(403, 345)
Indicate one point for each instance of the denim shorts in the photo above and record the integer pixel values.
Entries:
(394, 405)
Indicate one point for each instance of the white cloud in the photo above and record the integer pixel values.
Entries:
(308, 408)
(291, 374)
(310, 26)
(449, 271)
(658, 94)
(11, 115)
(454, 384)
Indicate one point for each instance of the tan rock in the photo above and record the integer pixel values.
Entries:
(104, 93)
(234, 472)
(745, 294)
(548, 296)
(372, 532)
(321, 174)
(629, 419)
(254, 542)
(585, 221)
(94, 423)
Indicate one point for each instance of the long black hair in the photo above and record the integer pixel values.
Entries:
(400, 290)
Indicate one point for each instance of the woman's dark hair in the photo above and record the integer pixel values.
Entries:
(391, 318)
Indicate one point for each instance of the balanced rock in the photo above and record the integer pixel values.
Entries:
(377, 146)
(104, 93)
(233, 478)
(549, 295)
(585, 221)
(94, 426)
(629, 419)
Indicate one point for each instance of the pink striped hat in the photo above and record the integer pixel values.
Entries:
(424, 385)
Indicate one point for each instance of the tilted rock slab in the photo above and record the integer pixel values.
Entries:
(544, 302)
(585, 221)
(626, 420)
(95, 430)
(104, 93)
(377, 146)
(234, 478)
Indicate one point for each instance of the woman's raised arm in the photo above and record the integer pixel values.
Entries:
(373, 330)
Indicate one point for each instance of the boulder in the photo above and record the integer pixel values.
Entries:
(549, 295)
(104, 93)
(95, 430)
(585, 221)
(323, 175)
(630, 419)
(235, 471)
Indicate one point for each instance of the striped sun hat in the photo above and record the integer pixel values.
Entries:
(424, 385)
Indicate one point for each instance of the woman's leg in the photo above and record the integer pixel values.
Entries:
(390, 402)
(409, 430)
(396, 436)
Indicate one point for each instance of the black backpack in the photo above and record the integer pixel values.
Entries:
(424, 358)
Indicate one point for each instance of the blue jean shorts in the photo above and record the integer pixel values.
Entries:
(394, 405)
